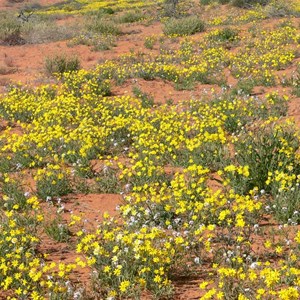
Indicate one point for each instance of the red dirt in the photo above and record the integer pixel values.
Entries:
(294, 108)
(93, 206)
(29, 60)
(163, 91)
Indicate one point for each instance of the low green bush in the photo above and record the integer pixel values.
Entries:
(226, 35)
(183, 27)
(102, 26)
(249, 3)
(10, 30)
(130, 17)
(280, 8)
(205, 2)
(61, 64)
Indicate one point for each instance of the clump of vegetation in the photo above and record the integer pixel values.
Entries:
(57, 230)
(150, 41)
(227, 35)
(102, 26)
(96, 41)
(280, 8)
(208, 2)
(10, 30)
(107, 10)
(16, 1)
(147, 100)
(107, 181)
(61, 64)
(170, 7)
(42, 29)
(184, 26)
(130, 17)
(28, 28)
(249, 3)
(205, 2)
(224, 1)
(53, 181)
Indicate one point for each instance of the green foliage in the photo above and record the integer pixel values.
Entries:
(280, 8)
(57, 230)
(83, 168)
(13, 196)
(268, 150)
(102, 26)
(107, 10)
(10, 30)
(205, 2)
(243, 87)
(296, 86)
(107, 181)
(249, 3)
(147, 101)
(37, 29)
(285, 204)
(130, 17)
(43, 29)
(226, 35)
(184, 26)
(96, 41)
(211, 155)
(150, 41)
(53, 183)
(170, 7)
(61, 64)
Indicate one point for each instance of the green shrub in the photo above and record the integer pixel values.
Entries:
(42, 30)
(102, 26)
(170, 7)
(15, 1)
(38, 29)
(295, 80)
(57, 230)
(10, 30)
(280, 8)
(205, 2)
(107, 10)
(61, 64)
(249, 3)
(146, 100)
(243, 87)
(150, 41)
(226, 35)
(96, 41)
(270, 150)
(185, 26)
(285, 204)
(130, 17)
(13, 194)
(54, 184)
(72, 6)
(107, 181)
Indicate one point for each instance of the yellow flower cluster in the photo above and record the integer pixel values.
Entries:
(23, 272)
(86, 6)
(198, 178)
